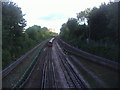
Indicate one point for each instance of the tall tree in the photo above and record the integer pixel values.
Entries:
(72, 25)
(83, 15)
(13, 24)
(12, 21)
(64, 32)
(98, 24)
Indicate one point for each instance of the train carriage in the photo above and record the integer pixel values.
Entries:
(50, 43)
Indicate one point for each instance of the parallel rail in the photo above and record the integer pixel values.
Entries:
(89, 73)
(26, 76)
(48, 73)
(73, 78)
(97, 59)
(8, 69)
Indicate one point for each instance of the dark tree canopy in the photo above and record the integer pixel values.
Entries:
(98, 24)
(12, 19)
(15, 39)
(100, 30)
(13, 24)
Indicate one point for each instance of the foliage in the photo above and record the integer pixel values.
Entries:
(83, 15)
(16, 40)
(98, 24)
(99, 35)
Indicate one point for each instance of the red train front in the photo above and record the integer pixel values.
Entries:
(50, 43)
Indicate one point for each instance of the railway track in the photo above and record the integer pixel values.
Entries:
(15, 68)
(93, 67)
(8, 69)
(72, 77)
(61, 68)
(88, 56)
(48, 76)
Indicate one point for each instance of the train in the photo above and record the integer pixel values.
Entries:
(50, 43)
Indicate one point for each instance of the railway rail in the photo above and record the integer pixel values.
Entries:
(88, 56)
(73, 78)
(7, 72)
(49, 71)
(8, 69)
(96, 79)
(48, 77)
(87, 63)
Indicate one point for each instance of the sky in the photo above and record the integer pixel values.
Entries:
(53, 13)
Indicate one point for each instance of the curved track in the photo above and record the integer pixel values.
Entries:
(56, 69)
(55, 72)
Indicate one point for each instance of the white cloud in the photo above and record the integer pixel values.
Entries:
(37, 11)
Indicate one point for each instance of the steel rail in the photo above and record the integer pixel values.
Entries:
(44, 75)
(32, 70)
(97, 80)
(27, 73)
(48, 76)
(54, 85)
(25, 77)
(68, 80)
(21, 86)
(73, 76)
(54, 76)
(8, 69)
(97, 59)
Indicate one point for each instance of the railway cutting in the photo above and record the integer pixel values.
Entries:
(57, 66)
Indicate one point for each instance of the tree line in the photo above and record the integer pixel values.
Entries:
(16, 40)
(94, 30)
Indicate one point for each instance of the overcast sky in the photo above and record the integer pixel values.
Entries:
(53, 13)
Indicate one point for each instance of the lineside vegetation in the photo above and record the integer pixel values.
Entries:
(99, 35)
(16, 40)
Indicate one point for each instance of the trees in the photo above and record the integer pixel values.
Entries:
(112, 18)
(12, 19)
(101, 30)
(98, 24)
(32, 32)
(64, 32)
(13, 24)
(83, 15)
(103, 22)
(72, 25)
(15, 39)
(37, 33)
(68, 29)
